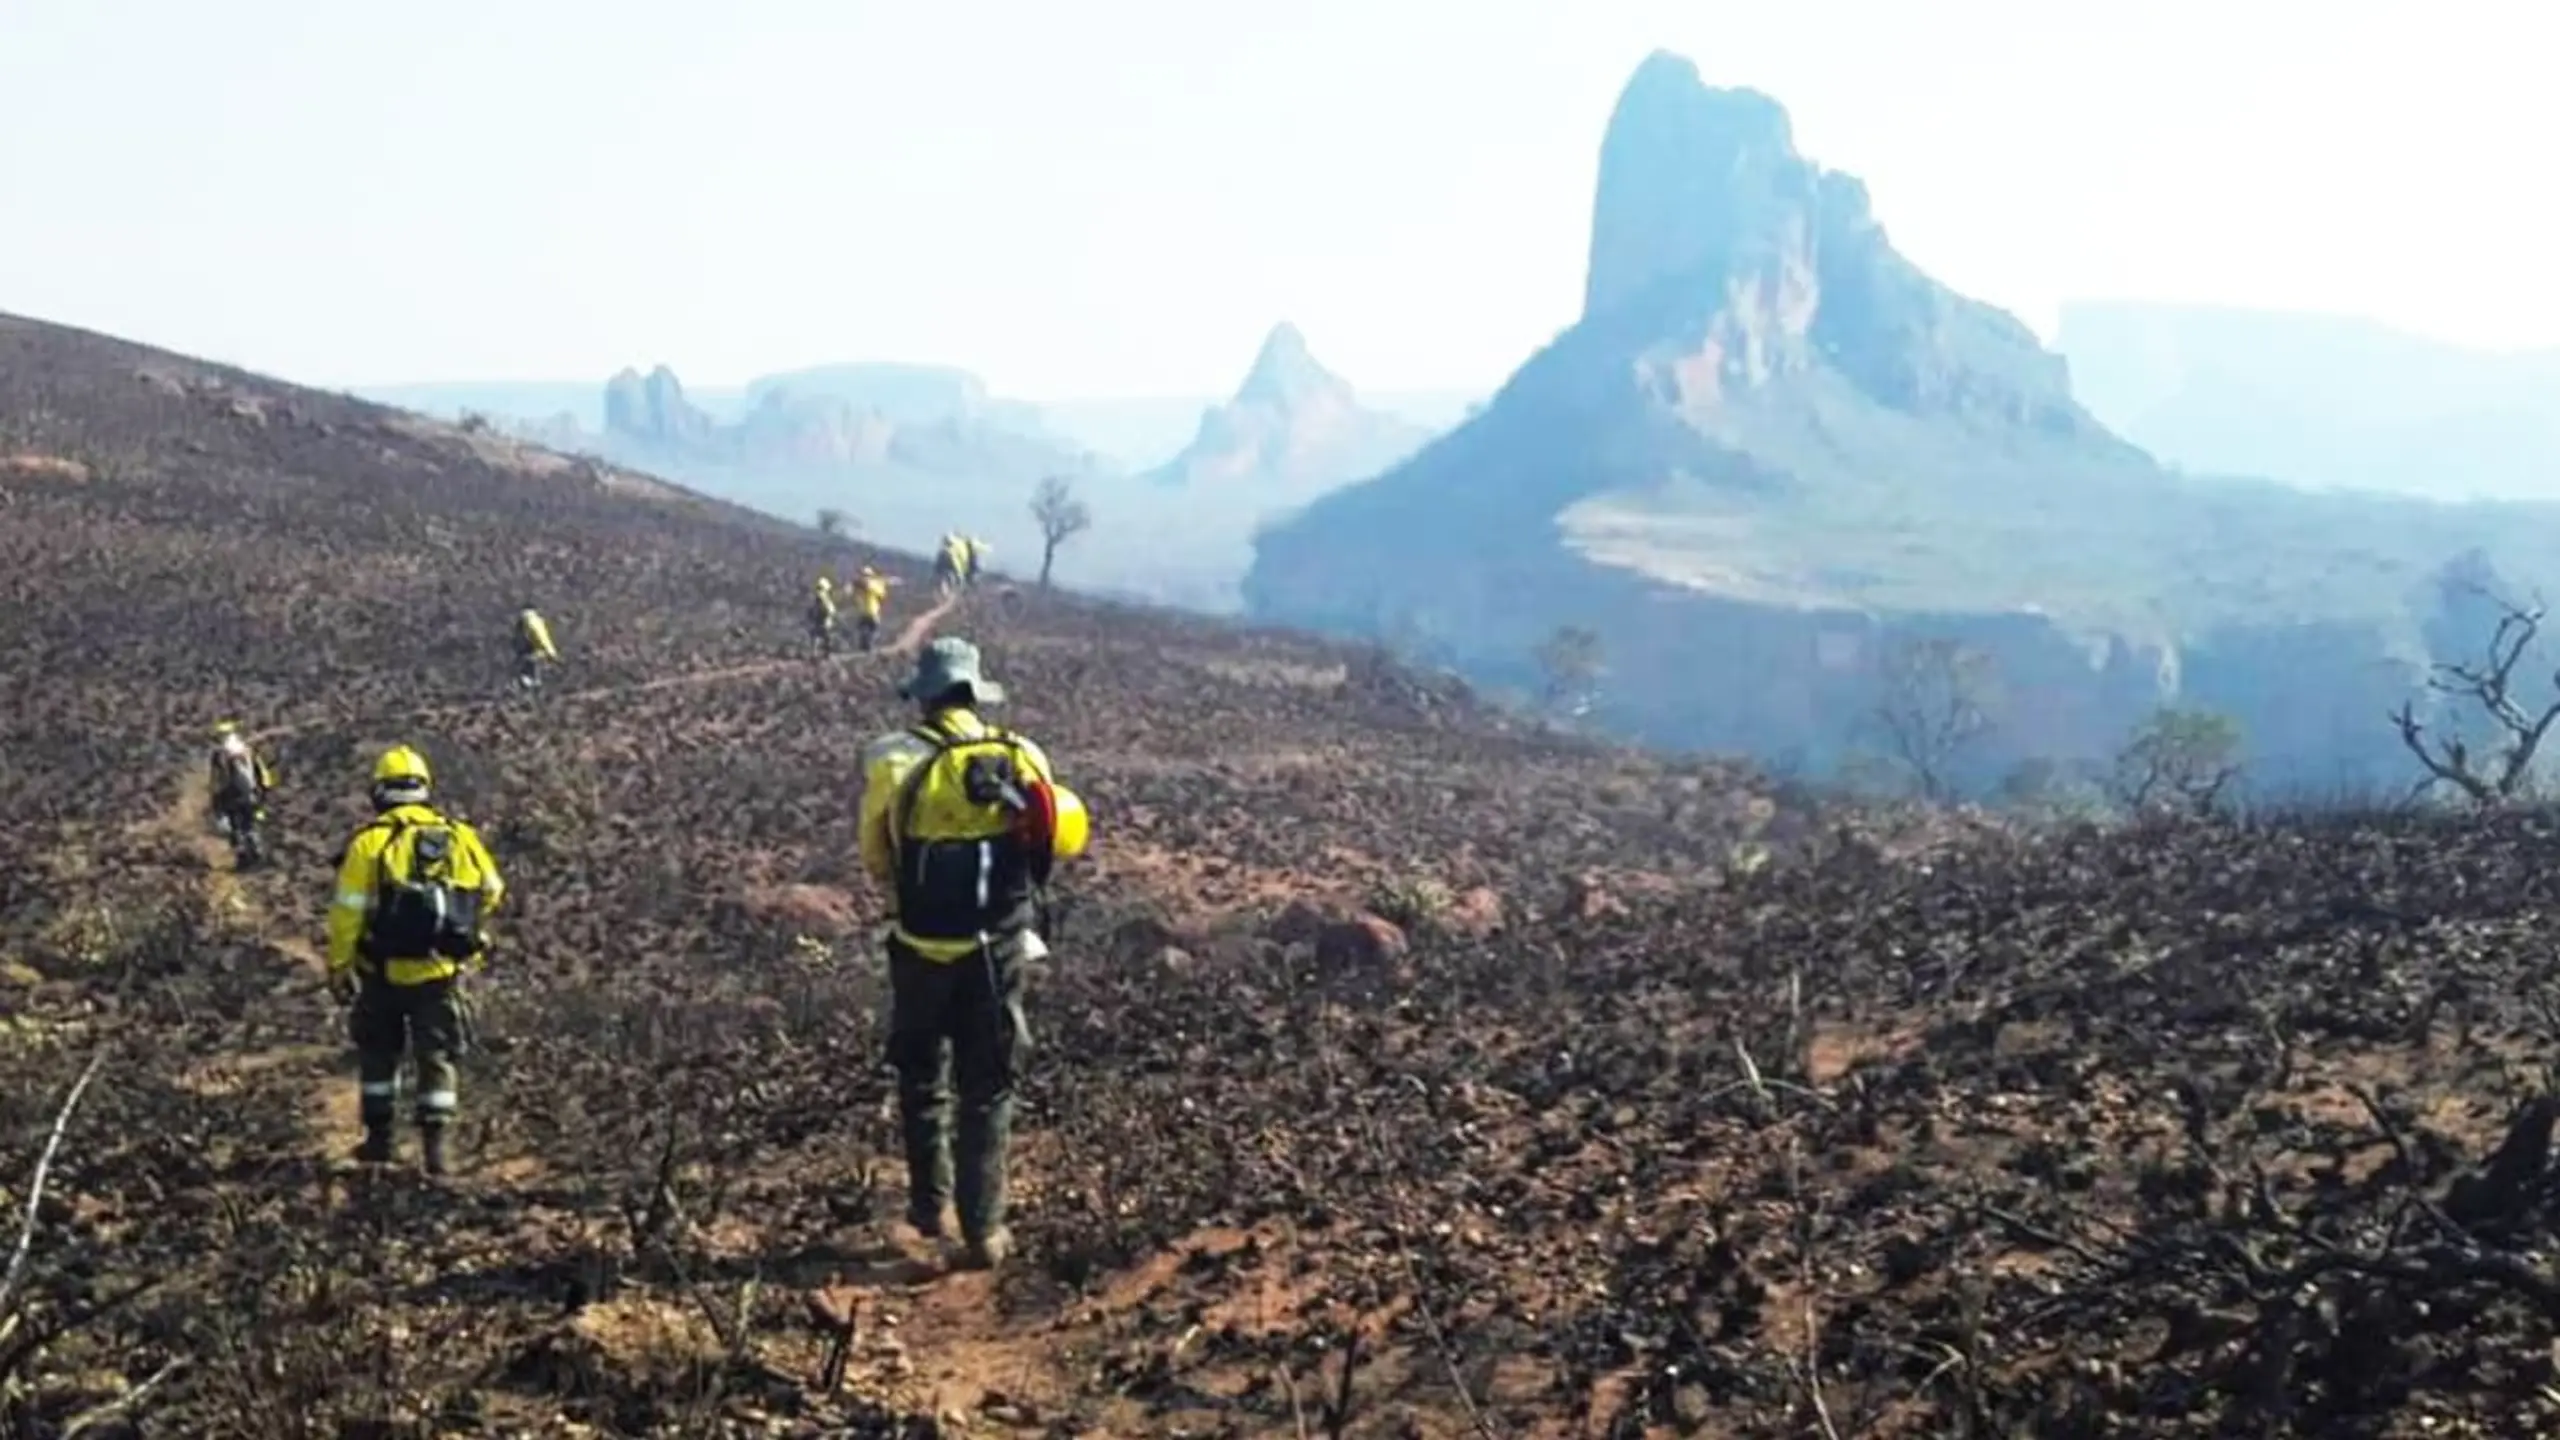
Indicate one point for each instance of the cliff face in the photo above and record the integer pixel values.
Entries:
(1771, 446)
(1293, 430)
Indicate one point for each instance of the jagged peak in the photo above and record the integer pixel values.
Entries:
(1691, 174)
(1286, 373)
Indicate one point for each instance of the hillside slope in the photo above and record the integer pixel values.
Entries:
(2056, 1136)
(1772, 447)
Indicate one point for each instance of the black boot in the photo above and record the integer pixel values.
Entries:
(924, 1215)
(376, 1149)
(985, 1134)
(431, 1144)
(928, 1155)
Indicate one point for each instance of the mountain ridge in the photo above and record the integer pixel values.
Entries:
(1292, 429)
(2319, 400)
(1773, 445)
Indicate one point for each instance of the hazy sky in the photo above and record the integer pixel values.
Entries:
(1120, 196)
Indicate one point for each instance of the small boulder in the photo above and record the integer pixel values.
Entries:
(1473, 915)
(1303, 922)
(1363, 944)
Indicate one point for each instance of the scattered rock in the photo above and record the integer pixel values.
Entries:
(1362, 944)
(1300, 923)
(822, 910)
(1475, 914)
(45, 467)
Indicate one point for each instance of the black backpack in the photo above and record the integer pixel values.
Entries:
(423, 908)
(981, 878)
(239, 783)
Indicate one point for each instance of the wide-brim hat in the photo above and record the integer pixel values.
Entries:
(946, 665)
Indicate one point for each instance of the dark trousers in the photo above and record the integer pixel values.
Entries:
(389, 1020)
(965, 1014)
(240, 815)
(866, 629)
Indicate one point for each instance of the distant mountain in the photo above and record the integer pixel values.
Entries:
(1142, 432)
(1772, 450)
(1293, 430)
(911, 451)
(907, 452)
(2319, 400)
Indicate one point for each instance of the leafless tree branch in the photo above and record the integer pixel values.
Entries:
(2490, 685)
(36, 1186)
(1935, 704)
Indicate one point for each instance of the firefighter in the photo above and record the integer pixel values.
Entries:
(973, 555)
(870, 597)
(951, 565)
(239, 785)
(822, 616)
(533, 648)
(415, 890)
(961, 821)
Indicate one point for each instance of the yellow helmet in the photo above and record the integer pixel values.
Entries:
(825, 584)
(226, 727)
(1071, 827)
(401, 765)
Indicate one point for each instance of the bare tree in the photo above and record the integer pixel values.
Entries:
(1935, 703)
(2499, 775)
(1061, 516)
(1571, 662)
(2178, 760)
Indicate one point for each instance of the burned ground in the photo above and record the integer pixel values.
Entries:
(1615, 1131)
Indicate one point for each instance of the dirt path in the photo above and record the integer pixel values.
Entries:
(948, 1351)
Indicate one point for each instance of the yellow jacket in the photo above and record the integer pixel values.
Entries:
(535, 635)
(871, 594)
(360, 879)
(886, 762)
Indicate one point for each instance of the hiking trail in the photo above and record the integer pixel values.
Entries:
(949, 1351)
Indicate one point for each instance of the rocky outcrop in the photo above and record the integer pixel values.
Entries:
(905, 395)
(910, 452)
(1293, 430)
(1771, 448)
(847, 418)
(652, 410)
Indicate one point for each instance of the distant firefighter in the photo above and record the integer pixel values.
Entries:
(239, 785)
(973, 557)
(533, 648)
(415, 889)
(961, 821)
(951, 565)
(822, 616)
(870, 597)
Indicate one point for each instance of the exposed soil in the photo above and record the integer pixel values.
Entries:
(2182, 1131)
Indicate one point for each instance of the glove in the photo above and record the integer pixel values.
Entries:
(342, 986)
